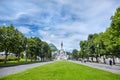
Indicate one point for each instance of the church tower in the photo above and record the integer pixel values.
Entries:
(61, 45)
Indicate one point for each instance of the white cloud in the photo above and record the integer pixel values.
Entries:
(70, 34)
(42, 32)
(59, 20)
(24, 29)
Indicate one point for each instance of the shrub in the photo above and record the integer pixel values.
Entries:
(9, 58)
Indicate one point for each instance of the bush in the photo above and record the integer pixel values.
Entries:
(9, 58)
(1, 58)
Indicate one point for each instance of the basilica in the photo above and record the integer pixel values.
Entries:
(61, 54)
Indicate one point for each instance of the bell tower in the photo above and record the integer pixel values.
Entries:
(61, 45)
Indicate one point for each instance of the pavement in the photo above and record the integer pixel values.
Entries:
(4, 71)
(114, 69)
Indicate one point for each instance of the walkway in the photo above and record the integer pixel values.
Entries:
(113, 68)
(15, 69)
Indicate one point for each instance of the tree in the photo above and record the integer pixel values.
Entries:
(38, 44)
(33, 47)
(45, 51)
(91, 45)
(20, 43)
(105, 43)
(84, 49)
(75, 54)
(1, 38)
(36, 47)
(11, 40)
(114, 35)
(9, 37)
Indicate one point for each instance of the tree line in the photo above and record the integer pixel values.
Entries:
(13, 41)
(105, 44)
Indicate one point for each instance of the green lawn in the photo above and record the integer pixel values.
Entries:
(63, 70)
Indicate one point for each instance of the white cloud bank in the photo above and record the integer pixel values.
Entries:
(24, 29)
(54, 21)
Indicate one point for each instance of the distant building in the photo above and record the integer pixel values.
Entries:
(61, 54)
(3, 54)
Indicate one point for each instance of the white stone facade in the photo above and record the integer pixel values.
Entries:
(61, 54)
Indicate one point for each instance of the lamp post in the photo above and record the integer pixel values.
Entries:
(98, 50)
(25, 54)
(98, 55)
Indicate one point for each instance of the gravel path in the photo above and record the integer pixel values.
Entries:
(15, 69)
(113, 68)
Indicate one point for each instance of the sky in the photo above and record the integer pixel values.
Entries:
(56, 21)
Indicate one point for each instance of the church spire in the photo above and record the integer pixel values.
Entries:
(61, 45)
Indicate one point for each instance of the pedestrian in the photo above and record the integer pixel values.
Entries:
(85, 60)
(110, 62)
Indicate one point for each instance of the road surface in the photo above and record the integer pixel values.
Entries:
(113, 68)
(15, 69)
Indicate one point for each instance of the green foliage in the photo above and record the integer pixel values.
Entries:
(84, 49)
(45, 50)
(11, 40)
(104, 43)
(114, 34)
(9, 58)
(36, 47)
(75, 54)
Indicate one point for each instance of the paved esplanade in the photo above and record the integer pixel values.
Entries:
(14, 69)
(113, 68)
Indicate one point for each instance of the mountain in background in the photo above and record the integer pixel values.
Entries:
(53, 47)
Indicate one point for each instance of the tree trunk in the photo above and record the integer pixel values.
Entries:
(113, 60)
(97, 59)
(26, 58)
(5, 59)
(35, 58)
(18, 57)
(43, 59)
(104, 60)
(31, 58)
(92, 59)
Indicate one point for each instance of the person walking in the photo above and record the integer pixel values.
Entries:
(110, 62)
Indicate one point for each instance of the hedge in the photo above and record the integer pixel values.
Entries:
(9, 58)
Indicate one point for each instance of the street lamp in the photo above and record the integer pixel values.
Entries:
(25, 54)
(98, 46)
